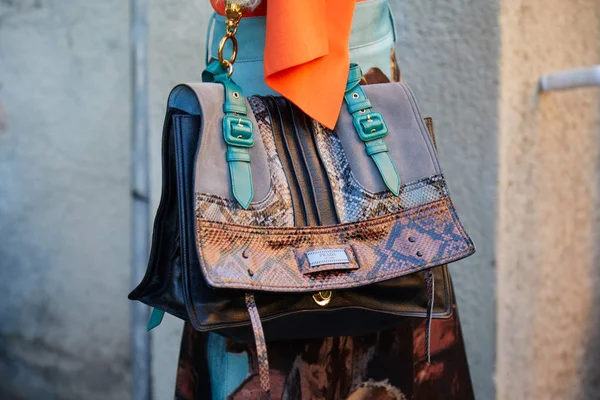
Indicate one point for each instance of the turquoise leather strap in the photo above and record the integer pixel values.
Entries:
(371, 128)
(155, 318)
(238, 133)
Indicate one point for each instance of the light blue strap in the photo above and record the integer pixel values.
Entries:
(209, 34)
(241, 174)
(227, 370)
(388, 171)
(155, 318)
(371, 128)
(393, 22)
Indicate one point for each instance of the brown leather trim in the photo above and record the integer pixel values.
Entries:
(429, 125)
(265, 258)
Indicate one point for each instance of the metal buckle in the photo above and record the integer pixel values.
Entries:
(370, 126)
(238, 131)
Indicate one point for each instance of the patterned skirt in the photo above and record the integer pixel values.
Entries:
(388, 365)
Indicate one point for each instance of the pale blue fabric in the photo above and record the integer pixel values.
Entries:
(227, 370)
(372, 37)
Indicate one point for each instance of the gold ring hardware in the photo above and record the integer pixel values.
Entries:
(229, 67)
(323, 297)
(227, 63)
(233, 13)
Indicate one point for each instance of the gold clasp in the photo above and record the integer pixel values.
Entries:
(323, 297)
(233, 13)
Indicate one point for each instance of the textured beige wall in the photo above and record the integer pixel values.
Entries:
(548, 223)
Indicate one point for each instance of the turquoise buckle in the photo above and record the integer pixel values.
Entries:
(238, 131)
(370, 126)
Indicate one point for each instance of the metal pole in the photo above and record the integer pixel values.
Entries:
(140, 187)
(571, 79)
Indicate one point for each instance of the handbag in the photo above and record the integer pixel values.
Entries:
(272, 227)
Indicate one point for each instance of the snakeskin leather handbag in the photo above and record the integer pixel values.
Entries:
(271, 226)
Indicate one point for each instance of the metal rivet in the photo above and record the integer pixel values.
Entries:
(412, 239)
(355, 95)
(419, 254)
(362, 111)
(246, 253)
(236, 95)
(323, 297)
(250, 272)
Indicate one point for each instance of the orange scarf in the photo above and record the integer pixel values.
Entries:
(306, 52)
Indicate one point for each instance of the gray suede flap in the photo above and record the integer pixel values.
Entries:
(212, 171)
(409, 143)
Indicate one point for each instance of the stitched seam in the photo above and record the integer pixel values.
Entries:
(383, 175)
(251, 183)
(381, 39)
(313, 231)
(271, 317)
(191, 311)
(409, 187)
(233, 184)
(240, 60)
(254, 206)
(425, 135)
(431, 207)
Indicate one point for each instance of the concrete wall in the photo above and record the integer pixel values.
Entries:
(549, 226)
(64, 199)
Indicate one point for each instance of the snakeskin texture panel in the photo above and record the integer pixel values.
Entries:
(352, 201)
(261, 344)
(275, 209)
(263, 258)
